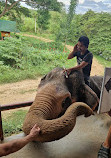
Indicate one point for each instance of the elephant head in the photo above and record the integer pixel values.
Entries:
(59, 100)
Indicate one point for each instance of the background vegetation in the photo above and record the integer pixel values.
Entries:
(34, 57)
(25, 57)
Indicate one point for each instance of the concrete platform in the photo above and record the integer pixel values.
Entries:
(83, 142)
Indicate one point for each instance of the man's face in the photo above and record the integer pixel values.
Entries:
(81, 47)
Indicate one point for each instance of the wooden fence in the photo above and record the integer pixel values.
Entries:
(9, 107)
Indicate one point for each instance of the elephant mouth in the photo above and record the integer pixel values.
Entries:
(65, 104)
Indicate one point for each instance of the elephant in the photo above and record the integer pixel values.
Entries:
(96, 84)
(59, 100)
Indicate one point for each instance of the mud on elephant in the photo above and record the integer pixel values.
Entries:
(59, 100)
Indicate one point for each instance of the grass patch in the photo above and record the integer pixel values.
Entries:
(35, 59)
(13, 123)
(102, 61)
(14, 75)
(28, 91)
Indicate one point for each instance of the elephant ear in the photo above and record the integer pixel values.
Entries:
(89, 97)
(62, 93)
(96, 84)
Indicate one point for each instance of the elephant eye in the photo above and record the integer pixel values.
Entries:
(66, 103)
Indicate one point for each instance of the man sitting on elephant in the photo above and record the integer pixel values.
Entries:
(84, 58)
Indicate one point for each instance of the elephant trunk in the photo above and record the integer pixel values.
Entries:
(57, 128)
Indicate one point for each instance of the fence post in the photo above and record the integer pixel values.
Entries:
(1, 129)
(9, 107)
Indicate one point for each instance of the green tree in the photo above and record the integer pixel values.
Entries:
(43, 8)
(8, 5)
(54, 23)
(43, 17)
(16, 14)
(65, 31)
(71, 11)
(45, 4)
(51, 4)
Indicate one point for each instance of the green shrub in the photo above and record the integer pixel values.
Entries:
(29, 25)
(24, 57)
(13, 123)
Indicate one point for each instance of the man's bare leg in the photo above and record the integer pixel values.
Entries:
(104, 151)
(107, 142)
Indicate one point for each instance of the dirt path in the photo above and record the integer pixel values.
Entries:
(41, 38)
(19, 91)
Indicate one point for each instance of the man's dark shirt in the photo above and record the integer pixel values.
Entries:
(87, 57)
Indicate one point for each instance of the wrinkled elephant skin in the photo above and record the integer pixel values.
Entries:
(58, 102)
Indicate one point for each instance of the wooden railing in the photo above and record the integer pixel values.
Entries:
(9, 107)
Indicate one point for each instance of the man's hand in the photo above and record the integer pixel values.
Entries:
(68, 71)
(34, 132)
(75, 48)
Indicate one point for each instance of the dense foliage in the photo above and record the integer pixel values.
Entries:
(30, 57)
(94, 25)
(7, 5)
(65, 27)
(97, 27)
(13, 123)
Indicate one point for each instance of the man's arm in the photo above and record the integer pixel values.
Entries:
(78, 67)
(71, 55)
(16, 145)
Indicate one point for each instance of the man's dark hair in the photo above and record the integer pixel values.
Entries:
(84, 40)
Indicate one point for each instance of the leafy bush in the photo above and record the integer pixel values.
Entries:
(107, 54)
(101, 46)
(29, 25)
(94, 25)
(11, 52)
(22, 58)
(13, 123)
